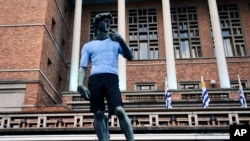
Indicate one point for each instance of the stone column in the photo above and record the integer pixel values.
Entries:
(75, 47)
(218, 42)
(168, 38)
(121, 30)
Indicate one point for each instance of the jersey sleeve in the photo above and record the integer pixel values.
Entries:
(84, 57)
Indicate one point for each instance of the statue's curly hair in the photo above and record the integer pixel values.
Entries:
(101, 16)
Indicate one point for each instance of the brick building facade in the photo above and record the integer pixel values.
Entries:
(36, 38)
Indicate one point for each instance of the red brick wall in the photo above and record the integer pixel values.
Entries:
(146, 72)
(63, 15)
(22, 11)
(20, 47)
(32, 96)
(28, 41)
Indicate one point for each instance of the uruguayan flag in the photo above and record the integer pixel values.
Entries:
(205, 96)
(242, 96)
(167, 96)
(168, 99)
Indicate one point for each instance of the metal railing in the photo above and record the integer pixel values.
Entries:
(157, 118)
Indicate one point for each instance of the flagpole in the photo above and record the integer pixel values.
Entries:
(202, 83)
(239, 80)
(166, 83)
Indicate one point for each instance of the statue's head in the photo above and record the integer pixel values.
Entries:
(100, 17)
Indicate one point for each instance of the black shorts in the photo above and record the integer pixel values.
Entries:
(104, 86)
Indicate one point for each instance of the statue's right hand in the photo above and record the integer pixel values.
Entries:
(115, 36)
(84, 92)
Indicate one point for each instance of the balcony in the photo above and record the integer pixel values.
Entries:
(146, 111)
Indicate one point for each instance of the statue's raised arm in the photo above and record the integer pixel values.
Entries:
(115, 36)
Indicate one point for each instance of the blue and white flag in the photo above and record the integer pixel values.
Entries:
(168, 99)
(242, 96)
(168, 96)
(205, 96)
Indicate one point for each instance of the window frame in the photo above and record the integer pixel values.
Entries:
(143, 29)
(151, 86)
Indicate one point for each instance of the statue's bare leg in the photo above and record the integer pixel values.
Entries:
(101, 126)
(125, 123)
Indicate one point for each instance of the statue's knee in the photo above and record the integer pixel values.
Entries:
(99, 115)
(119, 112)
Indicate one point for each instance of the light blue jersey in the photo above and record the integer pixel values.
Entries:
(102, 54)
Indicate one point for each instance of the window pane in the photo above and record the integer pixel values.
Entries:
(145, 87)
(177, 53)
(242, 51)
(144, 50)
(193, 52)
(225, 32)
(156, 54)
(183, 34)
(136, 54)
(185, 49)
(151, 54)
(143, 36)
(228, 47)
(175, 34)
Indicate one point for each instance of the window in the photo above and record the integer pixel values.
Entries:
(49, 67)
(193, 96)
(219, 95)
(65, 10)
(49, 62)
(143, 87)
(63, 43)
(112, 26)
(235, 84)
(186, 38)
(60, 83)
(233, 39)
(12, 97)
(189, 85)
(143, 34)
(53, 24)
